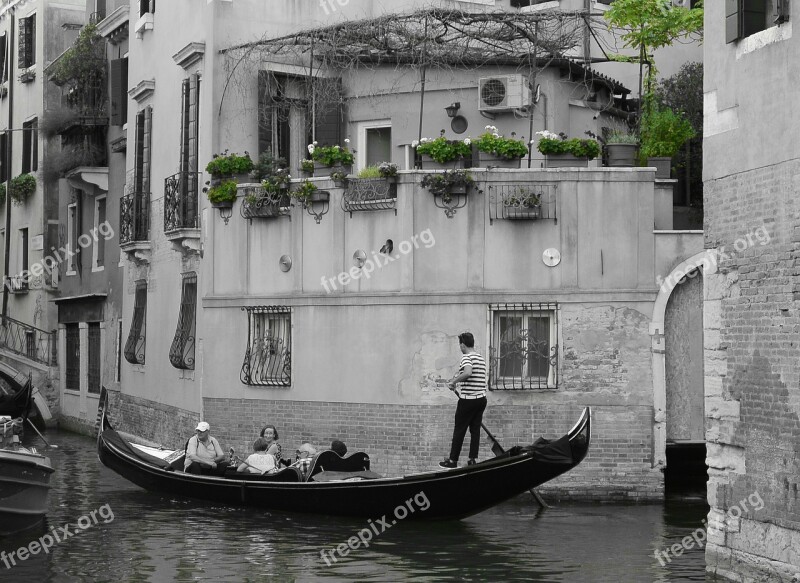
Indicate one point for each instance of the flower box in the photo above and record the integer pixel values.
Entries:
(319, 196)
(491, 161)
(429, 163)
(621, 155)
(457, 189)
(321, 169)
(225, 204)
(512, 212)
(663, 166)
(565, 161)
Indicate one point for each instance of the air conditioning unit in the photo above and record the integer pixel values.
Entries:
(503, 93)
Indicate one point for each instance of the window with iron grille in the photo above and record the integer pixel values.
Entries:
(181, 353)
(94, 357)
(30, 344)
(268, 360)
(73, 358)
(26, 55)
(134, 347)
(524, 346)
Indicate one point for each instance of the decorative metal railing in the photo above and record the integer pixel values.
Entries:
(134, 217)
(528, 201)
(369, 194)
(181, 353)
(268, 359)
(258, 202)
(28, 341)
(524, 349)
(180, 201)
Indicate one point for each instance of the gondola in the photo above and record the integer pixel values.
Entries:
(24, 480)
(15, 396)
(346, 486)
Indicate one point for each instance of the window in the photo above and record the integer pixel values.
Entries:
(524, 346)
(72, 237)
(181, 353)
(26, 54)
(99, 248)
(94, 380)
(146, 6)
(134, 347)
(141, 177)
(190, 118)
(118, 76)
(268, 361)
(374, 143)
(30, 146)
(73, 359)
(23, 250)
(744, 18)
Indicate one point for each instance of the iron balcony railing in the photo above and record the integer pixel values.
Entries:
(28, 341)
(180, 201)
(134, 217)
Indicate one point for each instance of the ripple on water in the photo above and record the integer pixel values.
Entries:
(154, 538)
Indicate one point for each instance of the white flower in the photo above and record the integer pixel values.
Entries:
(467, 141)
(415, 143)
(337, 147)
(423, 140)
(311, 148)
(347, 140)
(496, 135)
(315, 142)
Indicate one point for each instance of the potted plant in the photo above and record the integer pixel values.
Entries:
(448, 183)
(339, 179)
(388, 171)
(222, 195)
(563, 152)
(336, 158)
(21, 187)
(522, 204)
(268, 166)
(498, 151)
(230, 166)
(622, 148)
(442, 153)
(663, 133)
(307, 167)
(308, 193)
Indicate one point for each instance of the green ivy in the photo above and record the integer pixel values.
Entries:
(224, 192)
(663, 133)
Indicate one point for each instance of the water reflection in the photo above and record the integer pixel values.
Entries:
(159, 538)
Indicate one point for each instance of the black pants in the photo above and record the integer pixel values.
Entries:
(469, 414)
(197, 468)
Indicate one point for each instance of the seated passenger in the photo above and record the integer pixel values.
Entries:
(339, 447)
(259, 462)
(203, 453)
(305, 453)
(271, 435)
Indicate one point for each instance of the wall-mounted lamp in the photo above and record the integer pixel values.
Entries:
(452, 109)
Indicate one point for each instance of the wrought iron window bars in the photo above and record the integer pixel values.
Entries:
(268, 359)
(181, 353)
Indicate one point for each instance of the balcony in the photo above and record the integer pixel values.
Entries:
(17, 284)
(134, 225)
(181, 218)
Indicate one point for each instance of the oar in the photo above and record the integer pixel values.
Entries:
(40, 435)
(497, 450)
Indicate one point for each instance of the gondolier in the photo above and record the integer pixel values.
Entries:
(471, 391)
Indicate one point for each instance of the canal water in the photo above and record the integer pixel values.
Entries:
(138, 536)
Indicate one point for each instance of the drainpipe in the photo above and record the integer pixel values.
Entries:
(7, 162)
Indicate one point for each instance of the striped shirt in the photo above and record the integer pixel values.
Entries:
(475, 385)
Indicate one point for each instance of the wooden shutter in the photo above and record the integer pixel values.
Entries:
(753, 17)
(26, 41)
(3, 64)
(147, 133)
(265, 113)
(184, 156)
(138, 156)
(119, 95)
(3, 156)
(732, 23)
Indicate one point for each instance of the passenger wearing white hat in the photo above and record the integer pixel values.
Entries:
(203, 453)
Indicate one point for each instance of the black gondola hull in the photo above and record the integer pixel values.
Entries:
(451, 494)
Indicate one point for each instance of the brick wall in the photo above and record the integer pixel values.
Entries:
(752, 330)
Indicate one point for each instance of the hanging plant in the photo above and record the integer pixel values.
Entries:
(21, 188)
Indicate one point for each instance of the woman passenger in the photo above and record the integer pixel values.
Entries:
(271, 435)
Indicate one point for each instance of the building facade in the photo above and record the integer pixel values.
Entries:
(750, 319)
